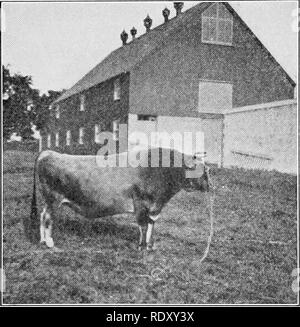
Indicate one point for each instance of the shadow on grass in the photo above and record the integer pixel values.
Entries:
(85, 228)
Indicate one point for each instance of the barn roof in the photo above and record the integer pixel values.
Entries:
(127, 56)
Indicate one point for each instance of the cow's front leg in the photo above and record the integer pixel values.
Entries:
(143, 232)
(145, 226)
(149, 235)
(146, 234)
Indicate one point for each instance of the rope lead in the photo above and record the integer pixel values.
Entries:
(211, 231)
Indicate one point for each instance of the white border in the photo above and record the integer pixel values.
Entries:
(150, 305)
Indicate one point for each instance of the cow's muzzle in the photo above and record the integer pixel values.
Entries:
(198, 180)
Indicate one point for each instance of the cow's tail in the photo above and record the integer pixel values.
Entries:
(32, 223)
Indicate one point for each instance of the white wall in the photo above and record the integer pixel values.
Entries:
(262, 136)
(209, 129)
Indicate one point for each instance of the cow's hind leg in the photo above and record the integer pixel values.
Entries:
(46, 227)
(42, 226)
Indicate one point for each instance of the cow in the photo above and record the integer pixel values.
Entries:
(95, 191)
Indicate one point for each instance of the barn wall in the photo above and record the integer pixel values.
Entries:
(210, 126)
(100, 108)
(213, 135)
(167, 81)
(262, 136)
(136, 128)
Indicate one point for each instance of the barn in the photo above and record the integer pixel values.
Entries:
(203, 70)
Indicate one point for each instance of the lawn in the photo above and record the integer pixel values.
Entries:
(251, 259)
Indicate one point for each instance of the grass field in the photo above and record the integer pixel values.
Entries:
(252, 255)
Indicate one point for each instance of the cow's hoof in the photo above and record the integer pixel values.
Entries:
(50, 242)
(150, 247)
(43, 244)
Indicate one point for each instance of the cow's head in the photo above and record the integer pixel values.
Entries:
(197, 174)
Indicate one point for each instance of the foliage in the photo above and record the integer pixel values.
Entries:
(23, 107)
(18, 104)
(42, 108)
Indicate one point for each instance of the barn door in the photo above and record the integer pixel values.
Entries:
(214, 96)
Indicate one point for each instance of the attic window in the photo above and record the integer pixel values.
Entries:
(217, 25)
(147, 117)
(117, 89)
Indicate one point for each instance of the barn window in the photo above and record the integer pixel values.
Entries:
(97, 133)
(217, 25)
(57, 139)
(147, 117)
(57, 112)
(41, 140)
(116, 130)
(81, 135)
(68, 137)
(117, 89)
(49, 141)
(82, 102)
(214, 96)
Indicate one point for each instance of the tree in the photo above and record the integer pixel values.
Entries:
(23, 106)
(19, 100)
(42, 108)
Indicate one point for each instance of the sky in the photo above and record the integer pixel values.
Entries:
(58, 43)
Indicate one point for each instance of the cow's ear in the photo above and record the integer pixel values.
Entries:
(199, 156)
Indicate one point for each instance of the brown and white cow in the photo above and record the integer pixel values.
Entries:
(95, 191)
